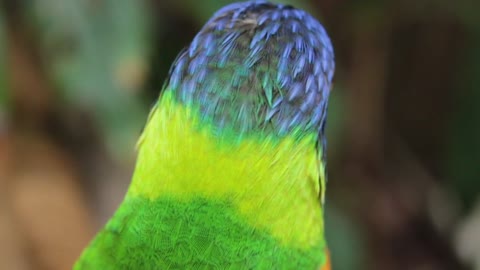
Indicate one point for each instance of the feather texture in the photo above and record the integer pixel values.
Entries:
(231, 163)
(258, 67)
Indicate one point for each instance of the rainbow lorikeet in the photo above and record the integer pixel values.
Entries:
(231, 165)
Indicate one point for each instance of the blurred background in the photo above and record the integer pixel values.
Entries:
(77, 79)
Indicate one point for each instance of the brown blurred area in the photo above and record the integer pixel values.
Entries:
(44, 220)
(78, 77)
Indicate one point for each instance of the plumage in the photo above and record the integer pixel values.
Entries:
(297, 55)
(231, 166)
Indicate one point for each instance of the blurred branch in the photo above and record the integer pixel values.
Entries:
(47, 204)
(46, 207)
(12, 244)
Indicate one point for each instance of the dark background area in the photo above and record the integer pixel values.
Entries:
(77, 78)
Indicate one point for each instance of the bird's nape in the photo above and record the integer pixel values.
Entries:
(231, 166)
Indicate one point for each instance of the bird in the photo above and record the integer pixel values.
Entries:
(231, 165)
